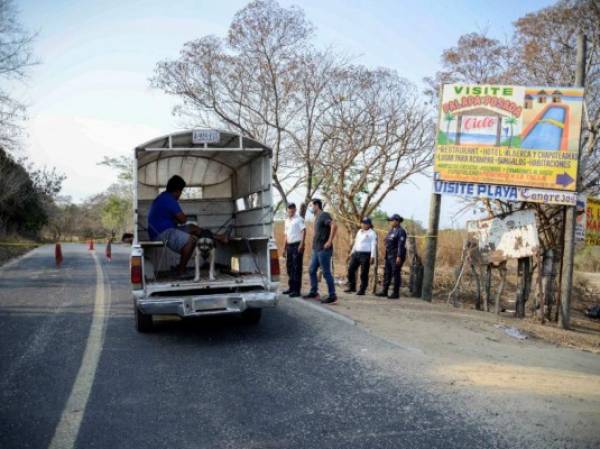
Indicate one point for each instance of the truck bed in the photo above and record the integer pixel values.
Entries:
(223, 281)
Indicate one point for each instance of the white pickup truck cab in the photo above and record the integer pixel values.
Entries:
(228, 190)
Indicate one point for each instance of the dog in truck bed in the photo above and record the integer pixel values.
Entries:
(205, 252)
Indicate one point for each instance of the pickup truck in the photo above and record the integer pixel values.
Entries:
(228, 191)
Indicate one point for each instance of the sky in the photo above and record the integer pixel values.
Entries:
(90, 96)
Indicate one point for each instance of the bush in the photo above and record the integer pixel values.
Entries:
(588, 259)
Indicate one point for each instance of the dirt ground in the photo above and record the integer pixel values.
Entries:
(549, 381)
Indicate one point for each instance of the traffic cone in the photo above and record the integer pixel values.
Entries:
(58, 257)
(108, 250)
(91, 248)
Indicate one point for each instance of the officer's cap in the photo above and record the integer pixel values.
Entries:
(396, 217)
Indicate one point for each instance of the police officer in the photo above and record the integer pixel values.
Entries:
(395, 254)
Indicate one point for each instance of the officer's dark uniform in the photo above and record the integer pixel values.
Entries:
(395, 246)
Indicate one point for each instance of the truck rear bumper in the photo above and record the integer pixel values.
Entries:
(206, 304)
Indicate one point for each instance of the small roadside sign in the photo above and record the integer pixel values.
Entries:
(592, 222)
(511, 236)
(580, 218)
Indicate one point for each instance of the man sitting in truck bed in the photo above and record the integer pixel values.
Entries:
(167, 222)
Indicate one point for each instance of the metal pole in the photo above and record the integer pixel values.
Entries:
(431, 249)
(570, 215)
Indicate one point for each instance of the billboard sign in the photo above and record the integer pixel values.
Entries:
(504, 193)
(506, 237)
(509, 135)
(592, 223)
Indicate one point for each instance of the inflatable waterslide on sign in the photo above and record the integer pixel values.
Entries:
(510, 135)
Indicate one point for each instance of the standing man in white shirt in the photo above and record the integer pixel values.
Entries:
(295, 232)
(363, 253)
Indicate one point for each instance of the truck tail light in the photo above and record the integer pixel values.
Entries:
(136, 272)
(274, 265)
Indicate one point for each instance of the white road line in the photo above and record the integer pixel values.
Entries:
(66, 432)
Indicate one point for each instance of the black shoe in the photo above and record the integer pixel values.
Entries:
(350, 290)
(360, 293)
(329, 299)
(286, 292)
(394, 295)
(311, 295)
(382, 294)
(294, 295)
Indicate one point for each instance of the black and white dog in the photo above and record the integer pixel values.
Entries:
(205, 250)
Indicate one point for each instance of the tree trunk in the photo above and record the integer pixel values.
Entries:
(503, 272)
(487, 298)
(523, 286)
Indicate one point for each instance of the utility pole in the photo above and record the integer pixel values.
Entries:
(571, 211)
(431, 249)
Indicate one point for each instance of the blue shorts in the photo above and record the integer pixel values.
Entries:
(175, 238)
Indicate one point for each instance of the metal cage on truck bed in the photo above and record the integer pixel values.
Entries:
(230, 178)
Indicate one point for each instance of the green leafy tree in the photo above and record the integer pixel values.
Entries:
(116, 204)
(116, 213)
(123, 166)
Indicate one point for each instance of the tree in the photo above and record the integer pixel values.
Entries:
(476, 59)
(116, 204)
(64, 219)
(266, 81)
(122, 164)
(246, 82)
(23, 199)
(116, 214)
(15, 57)
(378, 135)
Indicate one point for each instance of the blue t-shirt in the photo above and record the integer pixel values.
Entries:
(162, 214)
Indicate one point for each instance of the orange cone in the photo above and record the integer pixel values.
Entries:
(108, 251)
(58, 257)
(91, 248)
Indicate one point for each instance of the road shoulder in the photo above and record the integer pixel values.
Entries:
(549, 389)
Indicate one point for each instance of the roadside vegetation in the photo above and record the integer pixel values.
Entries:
(27, 192)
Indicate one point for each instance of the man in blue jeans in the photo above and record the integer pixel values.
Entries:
(322, 251)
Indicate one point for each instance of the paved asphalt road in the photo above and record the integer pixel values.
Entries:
(298, 380)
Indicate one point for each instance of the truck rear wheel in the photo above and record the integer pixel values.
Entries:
(143, 322)
(251, 316)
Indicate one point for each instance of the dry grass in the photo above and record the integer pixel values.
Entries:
(586, 287)
(14, 246)
(448, 254)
